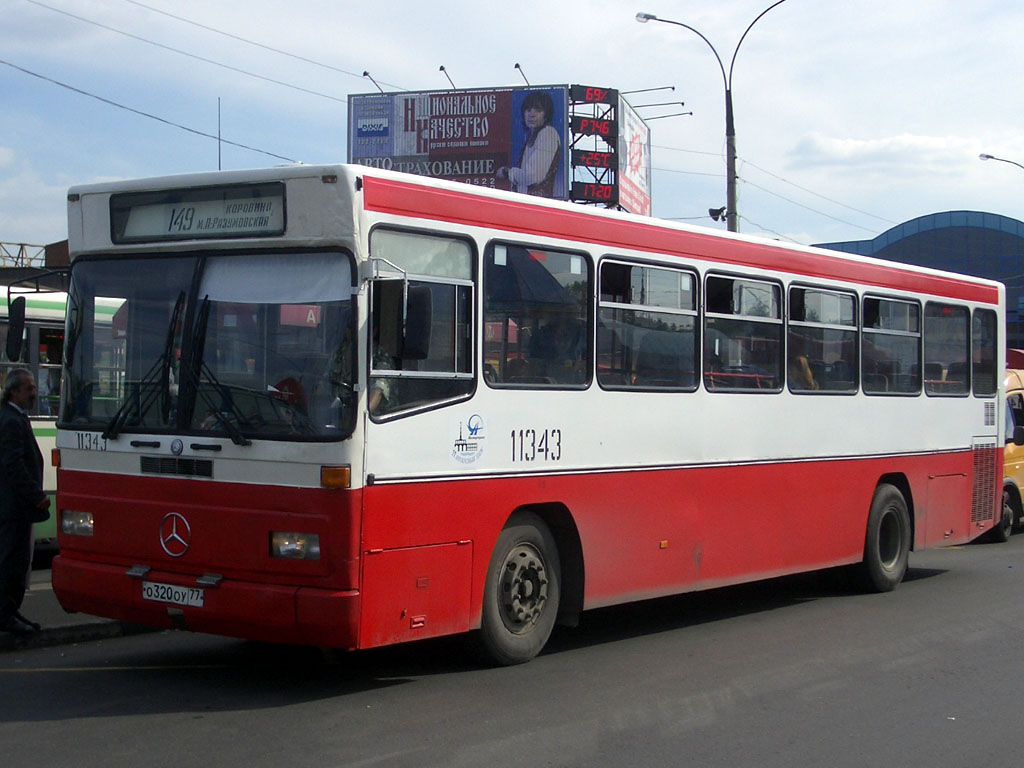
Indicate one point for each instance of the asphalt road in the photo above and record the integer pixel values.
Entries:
(794, 672)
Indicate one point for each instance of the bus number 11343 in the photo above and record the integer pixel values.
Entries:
(536, 445)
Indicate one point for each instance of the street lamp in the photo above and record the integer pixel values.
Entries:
(730, 128)
(984, 156)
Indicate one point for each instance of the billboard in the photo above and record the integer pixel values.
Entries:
(634, 161)
(504, 138)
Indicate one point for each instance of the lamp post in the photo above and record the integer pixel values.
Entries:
(730, 127)
(984, 156)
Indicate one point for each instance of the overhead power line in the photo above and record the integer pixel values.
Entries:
(191, 55)
(688, 151)
(295, 56)
(806, 207)
(816, 194)
(687, 173)
(771, 231)
(146, 114)
(743, 179)
(340, 70)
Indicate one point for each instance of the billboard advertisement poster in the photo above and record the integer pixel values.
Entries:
(634, 161)
(504, 138)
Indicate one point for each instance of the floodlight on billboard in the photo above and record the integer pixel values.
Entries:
(504, 138)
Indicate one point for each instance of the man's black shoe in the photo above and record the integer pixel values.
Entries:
(34, 624)
(15, 626)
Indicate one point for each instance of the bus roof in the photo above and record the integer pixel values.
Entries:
(432, 199)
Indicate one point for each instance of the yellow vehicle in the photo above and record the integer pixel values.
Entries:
(1013, 456)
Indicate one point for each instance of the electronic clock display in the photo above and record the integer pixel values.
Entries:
(595, 193)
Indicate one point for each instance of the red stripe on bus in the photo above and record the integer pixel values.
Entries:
(393, 553)
(405, 199)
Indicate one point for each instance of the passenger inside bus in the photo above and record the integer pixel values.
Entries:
(558, 347)
(800, 375)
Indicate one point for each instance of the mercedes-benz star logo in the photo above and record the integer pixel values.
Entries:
(175, 534)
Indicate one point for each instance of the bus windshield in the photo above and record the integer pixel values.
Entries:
(243, 346)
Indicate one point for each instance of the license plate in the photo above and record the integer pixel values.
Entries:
(170, 593)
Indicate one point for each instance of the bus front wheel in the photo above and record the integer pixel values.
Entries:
(1001, 532)
(521, 592)
(887, 541)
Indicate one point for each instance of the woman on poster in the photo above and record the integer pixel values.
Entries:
(540, 157)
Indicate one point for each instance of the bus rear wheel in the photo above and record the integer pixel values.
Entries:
(887, 541)
(521, 592)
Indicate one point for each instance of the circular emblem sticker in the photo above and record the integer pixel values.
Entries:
(467, 436)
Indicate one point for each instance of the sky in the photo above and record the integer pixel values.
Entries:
(852, 116)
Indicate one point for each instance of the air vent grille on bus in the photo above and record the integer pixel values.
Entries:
(984, 490)
(990, 414)
(172, 465)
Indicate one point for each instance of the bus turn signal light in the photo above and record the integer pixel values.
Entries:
(55, 457)
(335, 477)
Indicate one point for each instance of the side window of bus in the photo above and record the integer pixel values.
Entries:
(821, 344)
(536, 326)
(51, 353)
(421, 345)
(983, 352)
(947, 349)
(891, 358)
(5, 364)
(41, 352)
(742, 335)
(646, 327)
(23, 358)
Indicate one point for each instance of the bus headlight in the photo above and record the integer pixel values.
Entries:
(295, 546)
(75, 523)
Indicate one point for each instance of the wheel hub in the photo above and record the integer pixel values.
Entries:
(524, 588)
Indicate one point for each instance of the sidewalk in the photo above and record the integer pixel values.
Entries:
(59, 627)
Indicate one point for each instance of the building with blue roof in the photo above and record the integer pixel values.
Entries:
(969, 242)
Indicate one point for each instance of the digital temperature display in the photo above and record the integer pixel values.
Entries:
(588, 159)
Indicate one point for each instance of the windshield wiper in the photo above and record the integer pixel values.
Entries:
(158, 374)
(198, 369)
(168, 361)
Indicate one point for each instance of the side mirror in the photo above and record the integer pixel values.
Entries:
(388, 308)
(1018, 435)
(15, 328)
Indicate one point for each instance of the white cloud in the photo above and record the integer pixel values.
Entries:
(909, 154)
(31, 210)
(886, 113)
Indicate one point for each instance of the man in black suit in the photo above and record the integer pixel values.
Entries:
(22, 501)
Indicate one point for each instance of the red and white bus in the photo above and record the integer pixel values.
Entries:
(345, 407)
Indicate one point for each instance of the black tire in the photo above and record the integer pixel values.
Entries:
(521, 592)
(1004, 529)
(887, 541)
